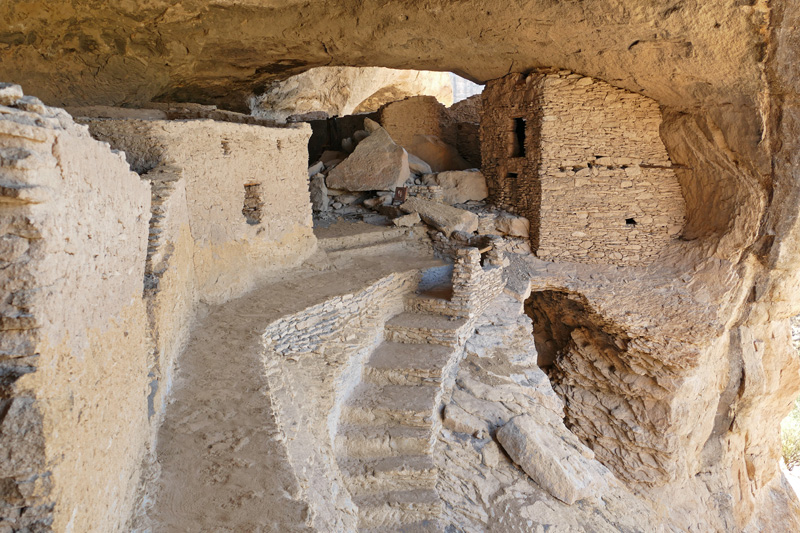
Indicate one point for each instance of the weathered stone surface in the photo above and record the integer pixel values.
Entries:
(370, 125)
(460, 186)
(443, 217)
(407, 221)
(511, 225)
(347, 90)
(316, 168)
(457, 419)
(438, 154)
(376, 164)
(417, 165)
(10, 93)
(319, 193)
(552, 461)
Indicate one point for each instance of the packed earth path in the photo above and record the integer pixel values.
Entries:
(222, 464)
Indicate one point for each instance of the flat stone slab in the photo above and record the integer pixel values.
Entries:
(445, 218)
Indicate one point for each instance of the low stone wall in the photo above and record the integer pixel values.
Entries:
(313, 359)
(247, 199)
(74, 353)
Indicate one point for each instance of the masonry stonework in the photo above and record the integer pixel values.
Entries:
(583, 161)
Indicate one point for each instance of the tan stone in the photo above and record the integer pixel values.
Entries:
(438, 154)
(376, 164)
(407, 221)
(443, 217)
(461, 186)
(339, 91)
(558, 466)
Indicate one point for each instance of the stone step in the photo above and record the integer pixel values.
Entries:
(397, 508)
(375, 442)
(407, 364)
(409, 405)
(426, 305)
(415, 328)
(406, 472)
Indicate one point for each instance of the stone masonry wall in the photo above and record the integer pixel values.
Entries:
(594, 177)
(221, 163)
(74, 355)
(317, 354)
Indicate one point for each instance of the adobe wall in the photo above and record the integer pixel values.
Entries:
(595, 179)
(225, 166)
(74, 353)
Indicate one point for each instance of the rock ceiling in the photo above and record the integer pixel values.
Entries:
(74, 52)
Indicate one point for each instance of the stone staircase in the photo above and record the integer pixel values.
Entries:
(389, 422)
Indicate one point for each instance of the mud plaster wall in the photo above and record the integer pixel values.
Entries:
(74, 354)
(231, 251)
(593, 178)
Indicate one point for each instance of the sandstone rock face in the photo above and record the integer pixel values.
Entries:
(417, 165)
(513, 226)
(319, 193)
(347, 90)
(461, 186)
(377, 164)
(442, 217)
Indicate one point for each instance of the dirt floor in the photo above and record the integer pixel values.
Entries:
(223, 467)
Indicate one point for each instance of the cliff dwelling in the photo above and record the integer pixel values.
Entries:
(357, 266)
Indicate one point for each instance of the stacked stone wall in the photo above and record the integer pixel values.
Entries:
(594, 178)
(318, 354)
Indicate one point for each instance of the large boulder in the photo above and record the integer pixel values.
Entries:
(437, 153)
(460, 186)
(512, 225)
(377, 164)
(564, 467)
(443, 217)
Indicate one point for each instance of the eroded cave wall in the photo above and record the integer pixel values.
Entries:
(246, 188)
(75, 353)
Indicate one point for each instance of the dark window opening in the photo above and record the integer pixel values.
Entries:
(252, 203)
(518, 148)
(511, 175)
(630, 221)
